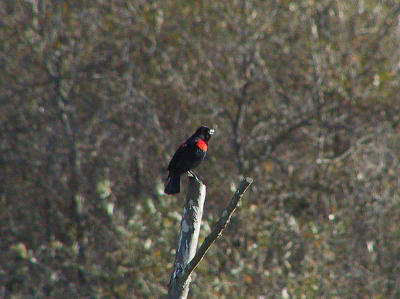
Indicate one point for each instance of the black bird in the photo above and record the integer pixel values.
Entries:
(187, 157)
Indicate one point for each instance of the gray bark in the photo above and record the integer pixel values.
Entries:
(188, 237)
(187, 259)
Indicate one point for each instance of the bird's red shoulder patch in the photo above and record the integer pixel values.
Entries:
(201, 144)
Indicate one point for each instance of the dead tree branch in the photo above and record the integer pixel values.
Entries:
(186, 260)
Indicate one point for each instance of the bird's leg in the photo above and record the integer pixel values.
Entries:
(193, 174)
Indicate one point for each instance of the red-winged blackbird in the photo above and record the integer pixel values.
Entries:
(188, 156)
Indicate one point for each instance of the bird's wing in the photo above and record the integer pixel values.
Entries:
(179, 152)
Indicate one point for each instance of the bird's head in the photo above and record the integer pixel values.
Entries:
(204, 133)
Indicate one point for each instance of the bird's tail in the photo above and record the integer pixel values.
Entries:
(173, 184)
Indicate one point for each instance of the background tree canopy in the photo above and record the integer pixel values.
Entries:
(96, 95)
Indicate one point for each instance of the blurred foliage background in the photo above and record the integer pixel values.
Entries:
(95, 96)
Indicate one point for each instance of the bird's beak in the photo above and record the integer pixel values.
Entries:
(212, 131)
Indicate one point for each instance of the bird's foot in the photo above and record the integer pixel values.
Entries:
(193, 174)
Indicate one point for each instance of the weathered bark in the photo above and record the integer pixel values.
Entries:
(188, 237)
(186, 258)
(218, 227)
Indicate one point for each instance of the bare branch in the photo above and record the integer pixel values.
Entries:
(218, 227)
(190, 227)
(188, 237)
